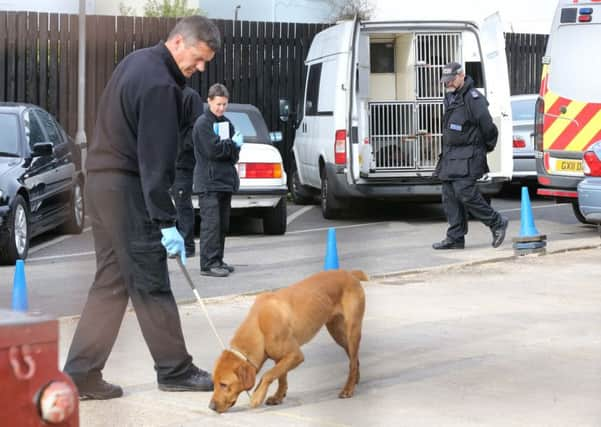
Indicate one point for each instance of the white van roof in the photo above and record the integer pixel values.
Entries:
(336, 39)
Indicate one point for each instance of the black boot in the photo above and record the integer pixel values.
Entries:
(449, 244)
(197, 380)
(98, 389)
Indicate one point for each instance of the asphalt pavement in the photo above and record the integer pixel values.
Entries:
(487, 340)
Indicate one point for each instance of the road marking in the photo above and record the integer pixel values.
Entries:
(339, 227)
(534, 207)
(63, 256)
(298, 213)
(55, 241)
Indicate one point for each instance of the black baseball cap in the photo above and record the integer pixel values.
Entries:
(450, 71)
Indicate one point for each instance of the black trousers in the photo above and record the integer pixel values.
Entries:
(215, 209)
(130, 263)
(182, 194)
(460, 197)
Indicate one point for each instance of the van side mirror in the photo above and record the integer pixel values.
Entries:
(40, 149)
(276, 137)
(284, 110)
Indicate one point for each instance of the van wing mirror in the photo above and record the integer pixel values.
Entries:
(40, 149)
(284, 110)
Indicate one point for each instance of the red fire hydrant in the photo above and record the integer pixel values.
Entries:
(33, 392)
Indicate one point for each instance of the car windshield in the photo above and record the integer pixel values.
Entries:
(9, 137)
(523, 109)
(242, 123)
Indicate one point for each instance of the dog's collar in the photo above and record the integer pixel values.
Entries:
(242, 356)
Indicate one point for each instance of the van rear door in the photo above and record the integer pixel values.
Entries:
(496, 78)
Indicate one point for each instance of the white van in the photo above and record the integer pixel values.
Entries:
(568, 111)
(370, 122)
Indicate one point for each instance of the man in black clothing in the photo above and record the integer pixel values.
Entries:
(131, 166)
(184, 169)
(468, 134)
(215, 179)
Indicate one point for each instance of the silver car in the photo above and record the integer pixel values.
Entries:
(589, 189)
(524, 163)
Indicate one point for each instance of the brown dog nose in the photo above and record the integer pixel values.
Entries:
(212, 405)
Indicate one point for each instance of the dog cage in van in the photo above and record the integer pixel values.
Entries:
(405, 98)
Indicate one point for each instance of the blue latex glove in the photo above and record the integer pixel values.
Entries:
(238, 139)
(173, 243)
(216, 128)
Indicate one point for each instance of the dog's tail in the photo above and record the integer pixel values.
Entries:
(359, 274)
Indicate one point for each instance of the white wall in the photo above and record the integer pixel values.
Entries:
(93, 7)
(520, 16)
(268, 10)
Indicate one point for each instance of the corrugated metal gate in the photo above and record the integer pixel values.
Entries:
(407, 135)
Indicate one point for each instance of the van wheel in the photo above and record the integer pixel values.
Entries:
(18, 233)
(301, 194)
(578, 214)
(328, 201)
(274, 220)
(75, 221)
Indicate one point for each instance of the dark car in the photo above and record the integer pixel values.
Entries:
(41, 181)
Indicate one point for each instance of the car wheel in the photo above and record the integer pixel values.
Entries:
(301, 195)
(275, 219)
(578, 214)
(328, 201)
(75, 222)
(18, 230)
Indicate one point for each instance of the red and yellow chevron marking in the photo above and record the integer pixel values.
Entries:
(573, 130)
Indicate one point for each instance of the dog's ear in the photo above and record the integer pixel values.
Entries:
(246, 374)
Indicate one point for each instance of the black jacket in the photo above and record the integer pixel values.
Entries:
(468, 133)
(138, 124)
(192, 110)
(215, 158)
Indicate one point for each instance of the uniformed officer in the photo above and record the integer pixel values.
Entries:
(468, 134)
(184, 169)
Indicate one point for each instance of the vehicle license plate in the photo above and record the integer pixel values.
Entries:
(568, 166)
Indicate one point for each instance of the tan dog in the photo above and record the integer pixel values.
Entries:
(276, 327)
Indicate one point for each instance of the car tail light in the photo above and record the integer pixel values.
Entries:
(518, 142)
(591, 165)
(539, 116)
(260, 170)
(340, 147)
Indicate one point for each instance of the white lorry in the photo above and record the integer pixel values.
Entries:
(369, 125)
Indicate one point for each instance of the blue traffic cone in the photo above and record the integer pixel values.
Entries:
(527, 227)
(19, 287)
(331, 262)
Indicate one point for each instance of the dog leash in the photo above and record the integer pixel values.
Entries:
(202, 304)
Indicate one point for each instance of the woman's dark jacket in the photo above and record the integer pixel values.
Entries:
(215, 158)
(468, 133)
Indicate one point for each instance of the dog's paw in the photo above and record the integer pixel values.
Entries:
(256, 400)
(274, 400)
(345, 394)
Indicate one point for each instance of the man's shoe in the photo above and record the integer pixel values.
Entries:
(98, 390)
(198, 380)
(214, 272)
(498, 234)
(228, 267)
(449, 244)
